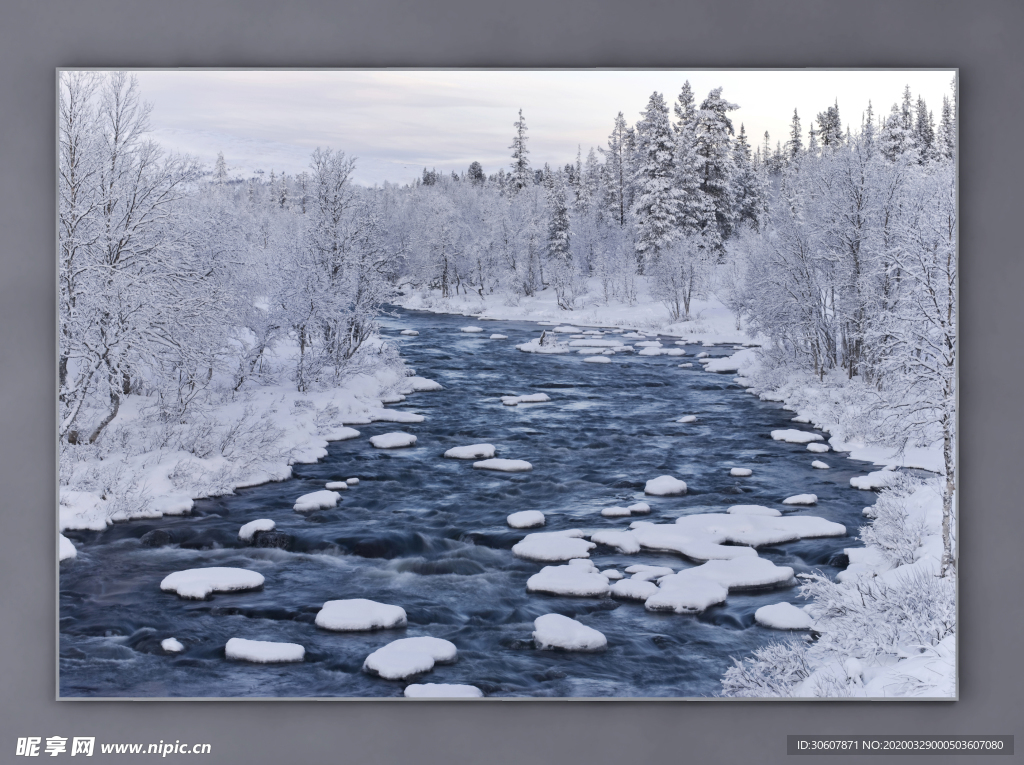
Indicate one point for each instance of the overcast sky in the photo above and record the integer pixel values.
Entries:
(396, 122)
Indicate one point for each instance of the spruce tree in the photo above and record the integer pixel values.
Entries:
(657, 203)
(618, 172)
(794, 146)
(521, 175)
(714, 160)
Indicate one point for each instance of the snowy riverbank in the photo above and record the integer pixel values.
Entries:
(710, 320)
(146, 467)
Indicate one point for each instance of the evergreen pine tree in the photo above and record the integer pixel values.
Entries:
(830, 127)
(618, 172)
(946, 138)
(714, 163)
(746, 189)
(657, 202)
(794, 146)
(521, 175)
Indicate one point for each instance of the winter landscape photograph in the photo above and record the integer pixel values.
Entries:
(606, 384)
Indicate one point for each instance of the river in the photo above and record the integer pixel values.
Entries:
(429, 534)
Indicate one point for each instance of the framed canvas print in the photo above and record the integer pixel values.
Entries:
(602, 384)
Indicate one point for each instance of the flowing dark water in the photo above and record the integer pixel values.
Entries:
(429, 534)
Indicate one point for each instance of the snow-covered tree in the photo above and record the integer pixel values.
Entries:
(657, 204)
(521, 174)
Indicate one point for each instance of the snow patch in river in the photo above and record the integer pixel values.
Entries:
(263, 651)
(526, 519)
(197, 583)
(665, 486)
(359, 614)
(317, 500)
(556, 631)
(263, 524)
(405, 657)
(554, 546)
(396, 440)
(503, 466)
(471, 452)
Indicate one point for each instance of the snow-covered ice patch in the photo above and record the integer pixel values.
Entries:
(352, 481)
(395, 440)
(554, 546)
(526, 519)
(741, 472)
(796, 436)
(472, 329)
(783, 616)
(695, 589)
(556, 631)
(611, 574)
(503, 466)
(263, 651)
(639, 508)
(494, 337)
(340, 433)
(532, 398)
(405, 657)
(665, 486)
(801, 499)
(623, 541)
(67, 548)
(409, 332)
(359, 614)
(263, 524)
(686, 365)
(819, 465)
(642, 572)
(616, 512)
(471, 452)
(817, 448)
(172, 645)
(598, 359)
(736, 362)
(442, 691)
(724, 536)
(769, 512)
(569, 580)
(337, 485)
(634, 589)
(687, 418)
(317, 500)
(197, 583)
(567, 330)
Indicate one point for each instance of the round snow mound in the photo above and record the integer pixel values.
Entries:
(263, 524)
(197, 583)
(526, 519)
(665, 486)
(359, 614)
(741, 472)
(317, 500)
(553, 631)
(783, 616)
(263, 651)
(801, 499)
(442, 691)
(554, 546)
(472, 329)
(172, 645)
(795, 436)
(819, 465)
(395, 440)
(688, 418)
(409, 656)
(504, 466)
(817, 448)
(598, 360)
(337, 485)
(471, 452)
